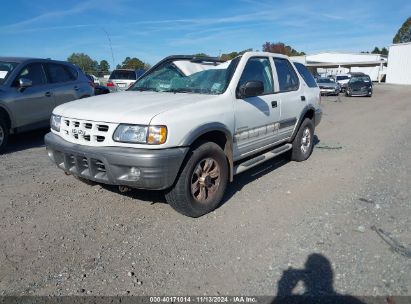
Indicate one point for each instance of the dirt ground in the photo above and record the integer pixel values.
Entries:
(338, 223)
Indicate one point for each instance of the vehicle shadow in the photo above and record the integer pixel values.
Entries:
(317, 278)
(232, 188)
(255, 173)
(24, 141)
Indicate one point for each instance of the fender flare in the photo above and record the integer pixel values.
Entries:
(300, 119)
(8, 112)
(194, 134)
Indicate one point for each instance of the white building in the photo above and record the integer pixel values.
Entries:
(399, 64)
(332, 63)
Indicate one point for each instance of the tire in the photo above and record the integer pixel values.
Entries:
(4, 133)
(303, 142)
(190, 195)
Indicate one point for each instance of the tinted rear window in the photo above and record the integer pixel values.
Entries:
(305, 74)
(287, 77)
(119, 74)
(342, 77)
(59, 73)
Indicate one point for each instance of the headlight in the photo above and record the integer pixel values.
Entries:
(138, 134)
(55, 122)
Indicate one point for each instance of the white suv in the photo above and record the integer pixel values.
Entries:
(189, 125)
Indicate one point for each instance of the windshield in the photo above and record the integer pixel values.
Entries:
(185, 76)
(5, 70)
(123, 74)
(342, 77)
(360, 79)
(325, 80)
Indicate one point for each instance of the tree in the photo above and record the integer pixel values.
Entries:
(84, 62)
(104, 68)
(132, 63)
(376, 51)
(232, 55)
(404, 33)
(384, 51)
(281, 48)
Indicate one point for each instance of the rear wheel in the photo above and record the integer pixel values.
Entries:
(303, 142)
(201, 185)
(4, 133)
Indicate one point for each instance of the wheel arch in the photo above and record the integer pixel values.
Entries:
(307, 112)
(214, 132)
(6, 114)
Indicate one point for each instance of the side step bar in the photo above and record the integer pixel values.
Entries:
(261, 158)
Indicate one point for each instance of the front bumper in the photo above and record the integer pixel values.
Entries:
(329, 91)
(318, 116)
(137, 168)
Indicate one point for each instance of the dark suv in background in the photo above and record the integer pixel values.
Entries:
(31, 88)
(359, 85)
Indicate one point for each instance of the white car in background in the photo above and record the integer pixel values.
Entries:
(342, 80)
(122, 79)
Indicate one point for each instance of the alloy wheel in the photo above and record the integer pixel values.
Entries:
(205, 180)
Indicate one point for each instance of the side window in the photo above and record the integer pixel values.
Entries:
(33, 72)
(287, 78)
(258, 69)
(306, 75)
(73, 72)
(58, 73)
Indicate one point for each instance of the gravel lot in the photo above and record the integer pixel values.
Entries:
(282, 222)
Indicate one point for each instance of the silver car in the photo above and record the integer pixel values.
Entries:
(31, 88)
(328, 86)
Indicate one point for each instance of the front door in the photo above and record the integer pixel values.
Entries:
(256, 118)
(32, 105)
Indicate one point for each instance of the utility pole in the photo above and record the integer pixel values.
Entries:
(111, 48)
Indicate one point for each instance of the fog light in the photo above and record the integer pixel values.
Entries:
(135, 171)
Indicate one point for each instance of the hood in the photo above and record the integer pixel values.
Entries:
(126, 107)
(359, 84)
(327, 85)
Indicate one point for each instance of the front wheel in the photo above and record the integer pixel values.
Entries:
(202, 182)
(303, 142)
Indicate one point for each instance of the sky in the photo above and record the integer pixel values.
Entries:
(151, 30)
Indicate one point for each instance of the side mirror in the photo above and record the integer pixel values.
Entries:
(251, 89)
(24, 83)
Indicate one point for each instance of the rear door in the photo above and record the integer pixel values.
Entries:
(256, 118)
(291, 93)
(32, 106)
(64, 86)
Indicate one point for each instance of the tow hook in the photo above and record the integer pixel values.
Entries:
(123, 189)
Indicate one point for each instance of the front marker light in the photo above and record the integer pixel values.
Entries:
(55, 122)
(157, 135)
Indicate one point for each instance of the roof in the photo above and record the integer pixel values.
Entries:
(16, 59)
(400, 44)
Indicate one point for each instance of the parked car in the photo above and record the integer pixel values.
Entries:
(342, 80)
(31, 88)
(359, 85)
(188, 126)
(122, 79)
(98, 89)
(328, 86)
(96, 80)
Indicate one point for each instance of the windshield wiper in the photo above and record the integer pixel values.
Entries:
(179, 90)
(141, 89)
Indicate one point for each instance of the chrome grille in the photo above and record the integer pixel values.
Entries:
(87, 132)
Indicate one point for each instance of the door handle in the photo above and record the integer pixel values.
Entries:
(302, 98)
(76, 88)
(47, 94)
(274, 104)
